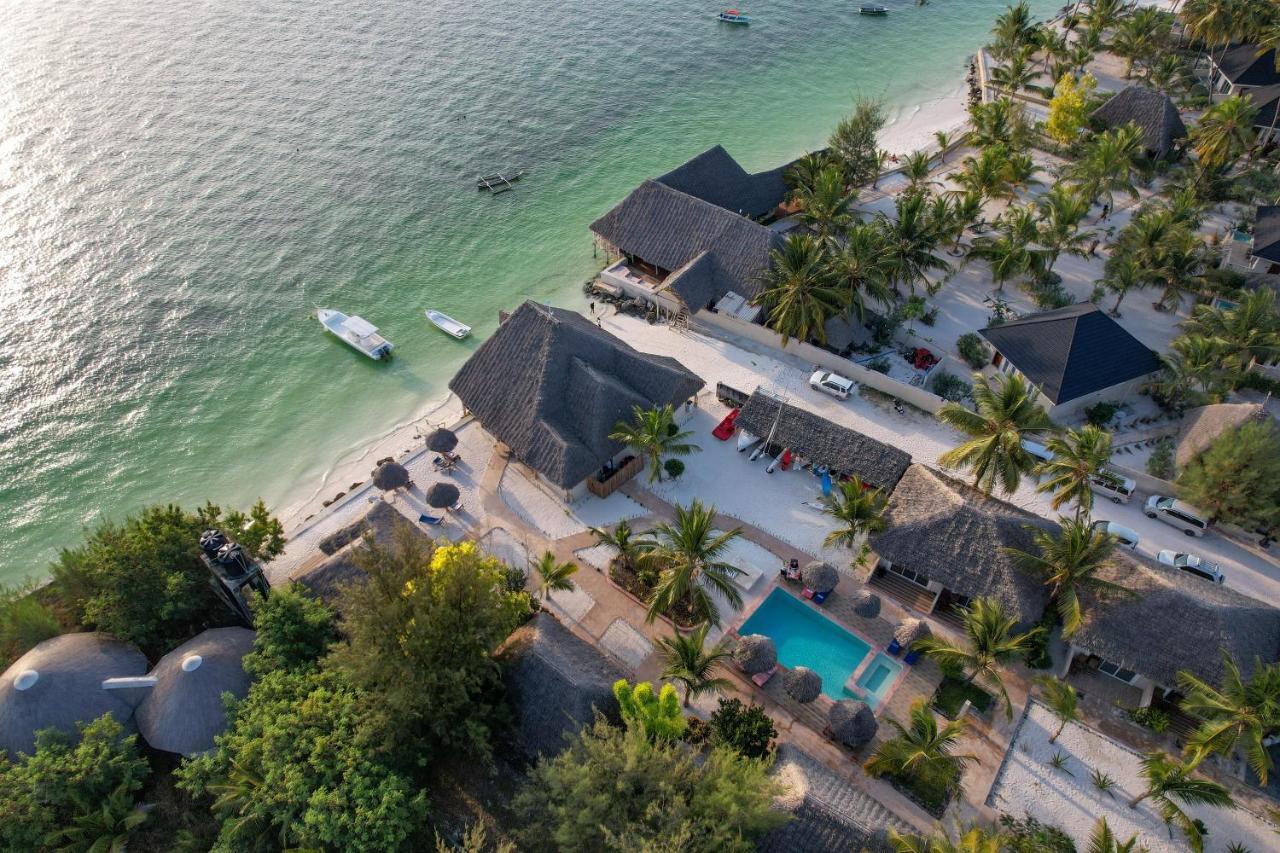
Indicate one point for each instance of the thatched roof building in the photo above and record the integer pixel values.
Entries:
(956, 535)
(383, 523)
(1202, 426)
(551, 385)
(845, 451)
(716, 178)
(557, 682)
(184, 711)
(58, 684)
(1153, 112)
(830, 814)
(1175, 621)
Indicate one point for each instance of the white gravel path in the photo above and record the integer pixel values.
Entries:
(626, 644)
(541, 510)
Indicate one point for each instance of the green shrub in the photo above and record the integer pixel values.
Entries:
(1100, 414)
(1029, 835)
(673, 467)
(1160, 462)
(1037, 655)
(1151, 718)
(950, 387)
(24, 622)
(973, 349)
(746, 729)
(952, 692)
(879, 365)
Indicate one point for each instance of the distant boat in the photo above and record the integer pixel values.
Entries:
(875, 9)
(448, 325)
(356, 332)
(733, 16)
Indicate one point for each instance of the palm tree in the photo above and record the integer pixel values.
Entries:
(654, 433)
(1180, 268)
(800, 291)
(1103, 840)
(944, 141)
(687, 555)
(1005, 414)
(973, 838)
(1169, 783)
(1192, 361)
(910, 241)
(1207, 21)
(1068, 563)
(965, 210)
(688, 662)
(1168, 73)
(1079, 455)
(1140, 37)
(1239, 711)
(1105, 14)
(1010, 252)
(804, 172)
(1017, 72)
(922, 748)
(857, 508)
(554, 576)
(985, 176)
(989, 644)
(100, 827)
(1123, 272)
(826, 204)
(916, 166)
(1224, 132)
(1062, 700)
(1013, 28)
(621, 540)
(861, 266)
(1000, 122)
(1251, 330)
(1109, 164)
(1020, 170)
(1062, 209)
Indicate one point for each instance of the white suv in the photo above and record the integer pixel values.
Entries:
(1193, 565)
(832, 383)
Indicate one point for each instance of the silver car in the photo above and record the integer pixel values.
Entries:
(1192, 565)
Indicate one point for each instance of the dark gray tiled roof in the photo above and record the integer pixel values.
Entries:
(1244, 66)
(1266, 233)
(551, 385)
(844, 450)
(1072, 351)
(715, 177)
(669, 229)
(1266, 99)
(1152, 111)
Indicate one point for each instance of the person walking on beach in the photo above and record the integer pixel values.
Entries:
(1106, 211)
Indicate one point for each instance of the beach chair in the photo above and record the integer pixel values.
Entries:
(760, 679)
(911, 657)
(430, 519)
(894, 647)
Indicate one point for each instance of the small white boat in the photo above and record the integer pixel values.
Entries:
(745, 440)
(356, 332)
(873, 9)
(733, 16)
(448, 325)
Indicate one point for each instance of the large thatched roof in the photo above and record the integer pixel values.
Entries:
(59, 683)
(551, 385)
(672, 230)
(1153, 112)
(830, 814)
(557, 681)
(1204, 424)
(955, 534)
(1175, 621)
(715, 177)
(184, 711)
(382, 523)
(843, 450)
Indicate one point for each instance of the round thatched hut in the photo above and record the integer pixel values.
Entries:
(443, 495)
(755, 653)
(820, 577)
(390, 475)
(866, 604)
(852, 723)
(442, 440)
(802, 684)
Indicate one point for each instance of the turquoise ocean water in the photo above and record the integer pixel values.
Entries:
(181, 183)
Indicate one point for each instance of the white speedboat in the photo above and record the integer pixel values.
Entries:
(746, 440)
(448, 325)
(356, 332)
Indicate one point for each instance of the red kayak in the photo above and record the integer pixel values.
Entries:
(726, 427)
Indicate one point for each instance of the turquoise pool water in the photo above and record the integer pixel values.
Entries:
(878, 678)
(806, 638)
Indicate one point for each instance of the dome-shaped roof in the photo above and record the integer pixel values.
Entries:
(819, 576)
(802, 684)
(755, 653)
(183, 712)
(59, 683)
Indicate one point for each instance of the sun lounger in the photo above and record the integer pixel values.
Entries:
(815, 597)
(429, 519)
(760, 679)
(894, 648)
(911, 657)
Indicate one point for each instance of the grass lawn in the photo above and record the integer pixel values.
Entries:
(951, 694)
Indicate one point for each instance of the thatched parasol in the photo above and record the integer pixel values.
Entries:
(755, 653)
(390, 475)
(909, 630)
(802, 684)
(819, 576)
(442, 495)
(442, 440)
(866, 604)
(852, 723)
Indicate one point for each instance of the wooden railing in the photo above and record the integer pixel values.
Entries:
(624, 472)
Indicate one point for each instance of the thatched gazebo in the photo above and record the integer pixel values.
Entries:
(866, 604)
(390, 476)
(909, 630)
(59, 683)
(183, 712)
(442, 440)
(852, 723)
(443, 495)
(755, 654)
(802, 684)
(819, 576)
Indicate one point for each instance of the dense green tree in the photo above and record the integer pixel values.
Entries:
(746, 729)
(653, 433)
(1170, 786)
(1069, 109)
(1250, 331)
(1237, 478)
(613, 790)
(853, 143)
(63, 781)
(101, 826)
(1239, 712)
(293, 630)
(801, 290)
(688, 556)
(1079, 455)
(419, 639)
(687, 660)
(142, 580)
(1006, 412)
(1068, 562)
(857, 509)
(24, 621)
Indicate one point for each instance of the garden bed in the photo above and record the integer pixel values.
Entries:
(633, 585)
(933, 794)
(951, 694)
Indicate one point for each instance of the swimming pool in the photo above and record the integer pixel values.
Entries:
(877, 679)
(805, 637)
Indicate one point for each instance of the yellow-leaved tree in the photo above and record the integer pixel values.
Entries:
(1068, 111)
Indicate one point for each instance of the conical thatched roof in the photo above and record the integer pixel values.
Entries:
(442, 495)
(442, 440)
(755, 653)
(819, 576)
(184, 711)
(1153, 112)
(59, 683)
(390, 475)
(852, 723)
(866, 604)
(909, 630)
(802, 684)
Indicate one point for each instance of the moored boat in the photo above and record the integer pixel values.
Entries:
(447, 324)
(733, 16)
(873, 9)
(356, 332)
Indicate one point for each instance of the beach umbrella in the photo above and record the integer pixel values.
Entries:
(755, 654)
(802, 684)
(866, 604)
(184, 711)
(852, 723)
(442, 495)
(390, 475)
(819, 576)
(442, 440)
(59, 683)
(909, 630)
